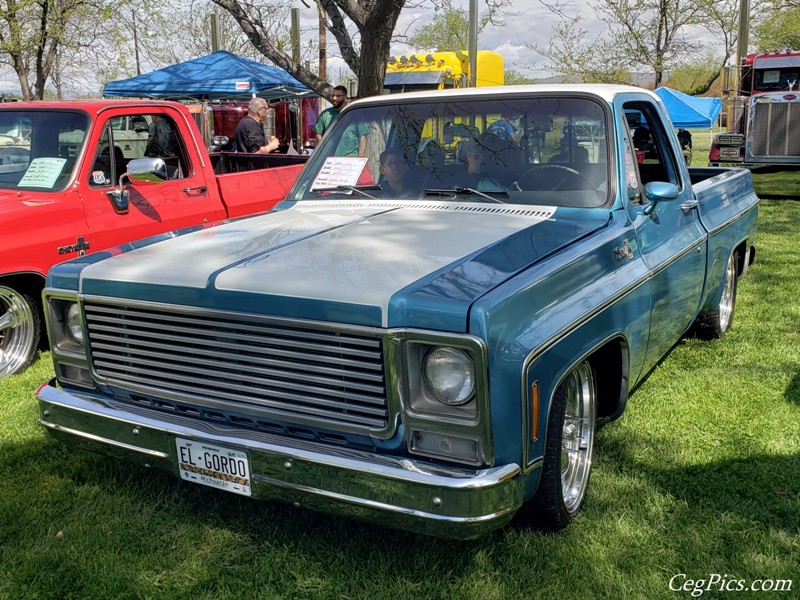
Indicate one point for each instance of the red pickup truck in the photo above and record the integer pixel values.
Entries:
(63, 194)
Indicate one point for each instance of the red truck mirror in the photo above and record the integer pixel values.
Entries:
(145, 171)
(141, 171)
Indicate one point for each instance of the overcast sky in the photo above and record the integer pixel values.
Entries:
(531, 23)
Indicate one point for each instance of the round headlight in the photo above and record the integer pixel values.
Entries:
(74, 323)
(449, 375)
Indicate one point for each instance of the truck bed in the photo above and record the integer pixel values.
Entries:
(233, 162)
(254, 179)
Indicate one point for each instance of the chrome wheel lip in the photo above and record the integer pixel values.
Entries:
(726, 302)
(577, 436)
(16, 331)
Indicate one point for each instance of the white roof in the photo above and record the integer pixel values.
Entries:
(604, 91)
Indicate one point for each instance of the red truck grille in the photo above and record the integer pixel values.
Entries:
(252, 367)
(776, 129)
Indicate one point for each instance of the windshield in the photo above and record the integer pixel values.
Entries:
(777, 80)
(518, 150)
(38, 149)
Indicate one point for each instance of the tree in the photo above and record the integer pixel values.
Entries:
(720, 18)
(514, 77)
(34, 34)
(696, 77)
(449, 29)
(374, 20)
(649, 34)
(780, 26)
(575, 58)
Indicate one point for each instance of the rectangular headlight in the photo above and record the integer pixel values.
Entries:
(66, 333)
(442, 380)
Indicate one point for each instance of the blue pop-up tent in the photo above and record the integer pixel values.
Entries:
(689, 112)
(218, 76)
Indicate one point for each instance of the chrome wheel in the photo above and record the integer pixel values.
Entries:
(577, 435)
(19, 331)
(715, 323)
(568, 451)
(728, 295)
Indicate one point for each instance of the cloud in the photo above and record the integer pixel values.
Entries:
(530, 23)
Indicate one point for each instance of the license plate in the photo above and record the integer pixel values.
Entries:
(729, 153)
(214, 466)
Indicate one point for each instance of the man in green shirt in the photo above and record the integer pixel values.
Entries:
(326, 117)
(354, 138)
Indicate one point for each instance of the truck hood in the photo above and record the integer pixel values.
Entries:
(375, 263)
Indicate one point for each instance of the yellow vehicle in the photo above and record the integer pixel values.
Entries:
(441, 70)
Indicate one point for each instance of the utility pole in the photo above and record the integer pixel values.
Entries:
(215, 33)
(296, 36)
(473, 42)
(323, 53)
(296, 60)
(136, 43)
(743, 38)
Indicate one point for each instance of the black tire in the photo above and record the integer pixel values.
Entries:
(20, 330)
(568, 452)
(715, 324)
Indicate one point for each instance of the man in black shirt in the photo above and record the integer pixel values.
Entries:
(249, 136)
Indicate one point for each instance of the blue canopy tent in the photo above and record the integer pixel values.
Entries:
(218, 76)
(689, 112)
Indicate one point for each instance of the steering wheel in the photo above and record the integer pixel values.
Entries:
(552, 178)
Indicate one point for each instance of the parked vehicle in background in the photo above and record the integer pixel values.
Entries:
(763, 116)
(436, 358)
(441, 71)
(285, 118)
(64, 192)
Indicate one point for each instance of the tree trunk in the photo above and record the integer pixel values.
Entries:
(22, 74)
(375, 20)
(376, 39)
(374, 50)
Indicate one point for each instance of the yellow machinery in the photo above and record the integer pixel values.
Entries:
(441, 70)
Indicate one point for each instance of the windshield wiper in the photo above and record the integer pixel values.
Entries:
(471, 191)
(351, 188)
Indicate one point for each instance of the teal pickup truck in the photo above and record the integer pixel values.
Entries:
(426, 336)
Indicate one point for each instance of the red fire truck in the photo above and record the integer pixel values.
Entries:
(764, 114)
(284, 118)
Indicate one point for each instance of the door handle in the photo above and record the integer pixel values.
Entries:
(690, 205)
(202, 189)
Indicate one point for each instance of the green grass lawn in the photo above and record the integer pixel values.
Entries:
(701, 476)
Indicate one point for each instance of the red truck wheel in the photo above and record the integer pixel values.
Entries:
(19, 330)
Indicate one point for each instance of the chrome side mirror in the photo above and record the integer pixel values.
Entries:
(141, 171)
(145, 171)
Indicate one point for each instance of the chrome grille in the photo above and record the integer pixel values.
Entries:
(775, 127)
(257, 367)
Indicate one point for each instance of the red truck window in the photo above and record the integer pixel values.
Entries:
(38, 148)
(137, 136)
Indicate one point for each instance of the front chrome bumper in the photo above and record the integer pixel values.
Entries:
(402, 493)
